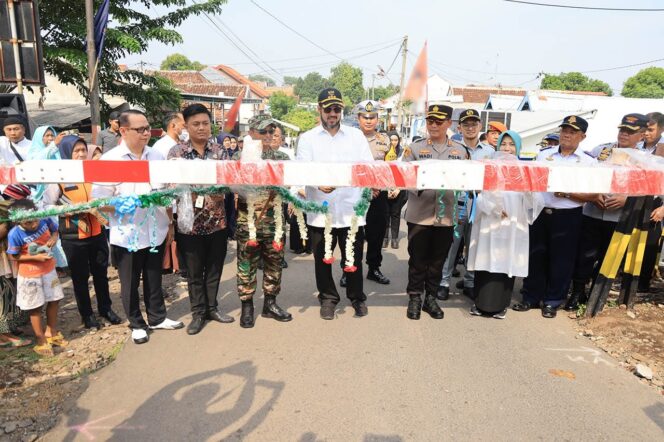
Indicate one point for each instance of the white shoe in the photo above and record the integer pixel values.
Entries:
(167, 324)
(139, 335)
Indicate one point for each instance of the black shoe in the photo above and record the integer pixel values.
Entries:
(377, 275)
(522, 306)
(414, 307)
(456, 273)
(214, 315)
(284, 264)
(327, 311)
(195, 326)
(111, 317)
(459, 284)
(272, 310)
(432, 308)
(395, 244)
(549, 312)
(342, 281)
(360, 308)
(572, 303)
(443, 293)
(91, 322)
(247, 314)
(386, 241)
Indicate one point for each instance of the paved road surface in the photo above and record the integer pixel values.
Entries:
(378, 378)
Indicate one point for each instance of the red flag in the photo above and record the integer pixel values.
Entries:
(418, 78)
(231, 116)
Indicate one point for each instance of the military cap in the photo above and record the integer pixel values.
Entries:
(439, 112)
(634, 122)
(330, 96)
(368, 107)
(261, 121)
(575, 122)
(469, 114)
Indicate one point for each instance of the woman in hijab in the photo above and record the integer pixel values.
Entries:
(395, 198)
(499, 242)
(44, 144)
(83, 239)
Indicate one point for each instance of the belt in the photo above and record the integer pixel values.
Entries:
(550, 210)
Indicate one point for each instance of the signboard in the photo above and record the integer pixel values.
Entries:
(26, 18)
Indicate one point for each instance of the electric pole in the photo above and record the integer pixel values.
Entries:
(92, 68)
(404, 51)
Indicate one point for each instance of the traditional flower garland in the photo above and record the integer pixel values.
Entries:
(301, 225)
(251, 222)
(328, 258)
(277, 242)
(360, 209)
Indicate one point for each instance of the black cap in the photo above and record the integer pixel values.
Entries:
(14, 119)
(634, 122)
(113, 116)
(330, 96)
(439, 112)
(468, 114)
(575, 122)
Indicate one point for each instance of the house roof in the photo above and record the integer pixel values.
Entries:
(182, 77)
(241, 79)
(480, 94)
(212, 89)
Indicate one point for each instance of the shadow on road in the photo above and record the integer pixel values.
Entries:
(656, 413)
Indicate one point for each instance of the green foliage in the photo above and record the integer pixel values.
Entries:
(301, 117)
(647, 83)
(281, 104)
(290, 81)
(263, 78)
(348, 79)
(179, 62)
(383, 92)
(130, 32)
(574, 81)
(309, 87)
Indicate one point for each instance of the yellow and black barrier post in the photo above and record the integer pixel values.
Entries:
(635, 254)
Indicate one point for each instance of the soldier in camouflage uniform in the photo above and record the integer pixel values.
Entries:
(261, 128)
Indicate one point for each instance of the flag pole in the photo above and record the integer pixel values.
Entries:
(92, 69)
(401, 85)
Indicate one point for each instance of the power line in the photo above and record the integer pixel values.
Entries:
(552, 5)
(393, 61)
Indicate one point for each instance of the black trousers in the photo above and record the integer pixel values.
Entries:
(393, 214)
(131, 266)
(554, 241)
(89, 256)
(593, 243)
(375, 230)
(327, 289)
(428, 247)
(653, 246)
(203, 257)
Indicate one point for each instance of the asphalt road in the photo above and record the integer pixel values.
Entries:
(378, 378)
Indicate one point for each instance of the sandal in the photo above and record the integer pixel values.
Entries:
(17, 342)
(44, 350)
(58, 340)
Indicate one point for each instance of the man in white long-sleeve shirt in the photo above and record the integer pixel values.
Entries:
(333, 142)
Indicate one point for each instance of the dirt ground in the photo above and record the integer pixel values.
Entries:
(35, 390)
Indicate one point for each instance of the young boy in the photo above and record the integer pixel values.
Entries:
(38, 284)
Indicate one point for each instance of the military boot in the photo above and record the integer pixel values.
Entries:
(414, 307)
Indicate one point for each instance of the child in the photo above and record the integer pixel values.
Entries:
(38, 283)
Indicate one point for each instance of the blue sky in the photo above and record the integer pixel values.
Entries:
(470, 41)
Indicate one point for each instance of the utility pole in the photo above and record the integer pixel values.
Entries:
(92, 68)
(404, 51)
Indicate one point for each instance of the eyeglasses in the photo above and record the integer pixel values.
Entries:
(335, 109)
(266, 131)
(140, 130)
(435, 122)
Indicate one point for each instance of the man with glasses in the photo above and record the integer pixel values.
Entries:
(470, 125)
(333, 142)
(261, 127)
(430, 215)
(138, 244)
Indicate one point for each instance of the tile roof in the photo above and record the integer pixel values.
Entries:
(235, 75)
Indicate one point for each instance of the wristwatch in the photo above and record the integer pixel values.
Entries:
(562, 195)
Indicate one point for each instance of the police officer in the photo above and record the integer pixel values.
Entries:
(601, 216)
(554, 236)
(261, 127)
(430, 215)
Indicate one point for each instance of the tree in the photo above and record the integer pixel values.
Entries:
(302, 118)
(130, 31)
(348, 79)
(281, 104)
(179, 62)
(263, 79)
(574, 81)
(290, 81)
(309, 87)
(647, 83)
(383, 92)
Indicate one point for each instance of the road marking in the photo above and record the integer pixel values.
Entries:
(593, 353)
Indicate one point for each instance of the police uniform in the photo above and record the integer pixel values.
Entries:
(554, 236)
(376, 215)
(248, 256)
(430, 215)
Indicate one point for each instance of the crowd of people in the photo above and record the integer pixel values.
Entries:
(555, 241)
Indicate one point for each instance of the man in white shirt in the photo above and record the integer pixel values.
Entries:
(332, 142)
(134, 240)
(653, 134)
(173, 124)
(14, 145)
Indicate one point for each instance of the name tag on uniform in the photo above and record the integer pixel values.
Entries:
(425, 154)
(71, 187)
(455, 155)
(200, 202)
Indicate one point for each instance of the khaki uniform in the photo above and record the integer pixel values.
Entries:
(379, 145)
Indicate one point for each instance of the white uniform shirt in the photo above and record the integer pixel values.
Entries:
(123, 233)
(552, 154)
(7, 155)
(164, 144)
(348, 144)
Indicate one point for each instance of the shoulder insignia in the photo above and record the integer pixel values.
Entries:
(429, 142)
(407, 152)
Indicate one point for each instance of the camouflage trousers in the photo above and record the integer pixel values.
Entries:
(248, 257)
